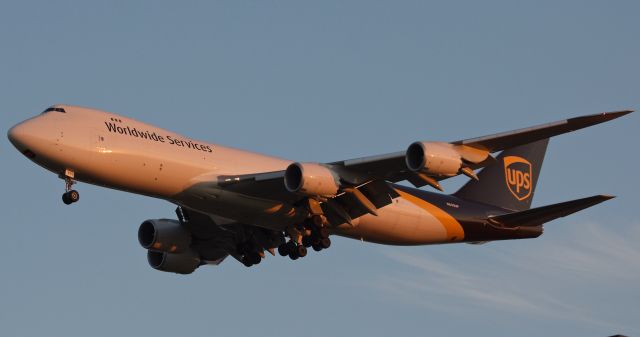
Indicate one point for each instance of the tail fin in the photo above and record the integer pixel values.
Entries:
(511, 181)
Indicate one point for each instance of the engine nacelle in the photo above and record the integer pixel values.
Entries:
(433, 158)
(164, 235)
(311, 179)
(182, 263)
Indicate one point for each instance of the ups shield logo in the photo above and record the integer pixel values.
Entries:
(517, 172)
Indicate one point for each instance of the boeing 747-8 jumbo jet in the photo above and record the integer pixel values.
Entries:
(243, 204)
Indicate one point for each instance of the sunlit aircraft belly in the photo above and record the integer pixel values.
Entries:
(409, 220)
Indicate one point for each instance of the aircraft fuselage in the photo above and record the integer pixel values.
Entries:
(117, 152)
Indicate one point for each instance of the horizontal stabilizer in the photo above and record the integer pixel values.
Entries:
(541, 215)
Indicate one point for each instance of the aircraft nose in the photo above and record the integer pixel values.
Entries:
(24, 137)
(17, 135)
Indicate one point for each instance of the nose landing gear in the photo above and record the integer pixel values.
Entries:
(70, 196)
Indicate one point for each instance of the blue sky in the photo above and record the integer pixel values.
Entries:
(323, 81)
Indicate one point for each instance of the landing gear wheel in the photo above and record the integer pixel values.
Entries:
(74, 196)
(325, 243)
(283, 249)
(306, 241)
(317, 247)
(301, 251)
(246, 262)
(70, 197)
(291, 246)
(251, 258)
(293, 255)
(65, 199)
(255, 258)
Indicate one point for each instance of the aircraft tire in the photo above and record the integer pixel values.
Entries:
(323, 232)
(283, 249)
(293, 255)
(254, 258)
(74, 196)
(306, 241)
(291, 246)
(301, 251)
(325, 243)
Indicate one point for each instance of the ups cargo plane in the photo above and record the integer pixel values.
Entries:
(243, 204)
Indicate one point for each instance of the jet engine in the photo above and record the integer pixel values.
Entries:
(433, 158)
(182, 263)
(164, 235)
(311, 179)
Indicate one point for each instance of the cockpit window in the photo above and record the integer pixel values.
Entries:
(54, 109)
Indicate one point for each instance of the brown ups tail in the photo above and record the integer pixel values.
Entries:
(511, 181)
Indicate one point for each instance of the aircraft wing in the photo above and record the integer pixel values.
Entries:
(215, 240)
(393, 166)
(266, 185)
(504, 140)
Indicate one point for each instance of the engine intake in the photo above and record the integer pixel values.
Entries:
(183, 263)
(433, 158)
(164, 235)
(310, 179)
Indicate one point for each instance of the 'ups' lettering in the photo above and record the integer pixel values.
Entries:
(517, 172)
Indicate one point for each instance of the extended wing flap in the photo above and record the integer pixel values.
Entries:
(540, 215)
(378, 192)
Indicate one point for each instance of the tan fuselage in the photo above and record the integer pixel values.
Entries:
(114, 151)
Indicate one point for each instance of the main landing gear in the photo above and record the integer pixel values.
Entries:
(313, 234)
(250, 256)
(292, 249)
(70, 196)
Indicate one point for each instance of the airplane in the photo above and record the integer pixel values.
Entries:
(232, 202)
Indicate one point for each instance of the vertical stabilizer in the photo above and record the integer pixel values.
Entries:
(511, 181)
